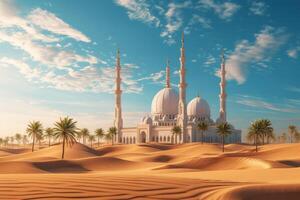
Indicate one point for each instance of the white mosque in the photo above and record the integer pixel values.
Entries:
(169, 109)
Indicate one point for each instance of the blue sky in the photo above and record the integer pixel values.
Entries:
(57, 58)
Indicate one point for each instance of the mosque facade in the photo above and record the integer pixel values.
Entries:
(169, 109)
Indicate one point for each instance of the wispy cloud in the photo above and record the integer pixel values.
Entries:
(258, 8)
(174, 20)
(48, 21)
(294, 52)
(197, 20)
(245, 53)
(224, 10)
(139, 10)
(210, 60)
(260, 103)
(53, 63)
(294, 89)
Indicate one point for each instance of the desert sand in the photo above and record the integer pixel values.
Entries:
(152, 171)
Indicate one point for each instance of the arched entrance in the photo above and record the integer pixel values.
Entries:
(143, 137)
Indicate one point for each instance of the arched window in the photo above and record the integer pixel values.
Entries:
(168, 138)
(126, 140)
(160, 139)
(130, 140)
(133, 140)
(165, 139)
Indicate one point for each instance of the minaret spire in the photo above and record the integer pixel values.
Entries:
(223, 94)
(182, 113)
(118, 122)
(168, 74)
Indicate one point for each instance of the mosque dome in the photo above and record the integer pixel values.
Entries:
(165, 102)
(147, 120)
(198, 107)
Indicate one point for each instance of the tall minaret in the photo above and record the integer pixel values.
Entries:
(223, 94)
(118, 122)
(168, 75)
(182, 113)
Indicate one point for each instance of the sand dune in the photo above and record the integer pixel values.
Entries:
(152, 171)
(226, 163)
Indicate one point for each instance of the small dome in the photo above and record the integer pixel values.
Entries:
(165, 102)
(148, 120)
(198, 107)
(142, 119)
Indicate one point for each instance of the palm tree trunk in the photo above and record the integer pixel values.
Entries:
(98, 142)
(223, 142)
(201, 137)
(33, 138)
(256, 142)
(63, 149)
(49, 141)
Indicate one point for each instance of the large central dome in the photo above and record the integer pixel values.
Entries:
(165, 102)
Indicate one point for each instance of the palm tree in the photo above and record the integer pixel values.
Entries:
(12, 139)
(297, 136)
(176, 130)
(283, 137)
(79, 136)
(33, 129)
(24, 139)
(40, 138)
(224, 129)
(1, 141)
(66, 130)
(112, 131)
(100, 134)
(202, 127)
(91, 139)
(84, 133)
(256, 129)
(292, 132)
(267, 129)
(6, 140)
(18, 137)
(49, 134)
(108, 137)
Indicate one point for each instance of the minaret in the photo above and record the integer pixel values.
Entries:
(223, 94)
(118, 122)
(182, 113)
(168, 75)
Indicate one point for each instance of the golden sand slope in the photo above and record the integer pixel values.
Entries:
(152, 171)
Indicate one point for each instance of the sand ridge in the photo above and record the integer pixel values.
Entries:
(151, 171)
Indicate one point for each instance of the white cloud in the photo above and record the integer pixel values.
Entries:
(155, 77)
(53, 62)
(28, 72)
(174, 20)
(42, 53)
(139, 10)
(224, 10)
(245, 53)
(293, 53)
(48, 21)
(258, 7)
(294, 89)
(195, 20)
(256, 102)
(210, 61)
